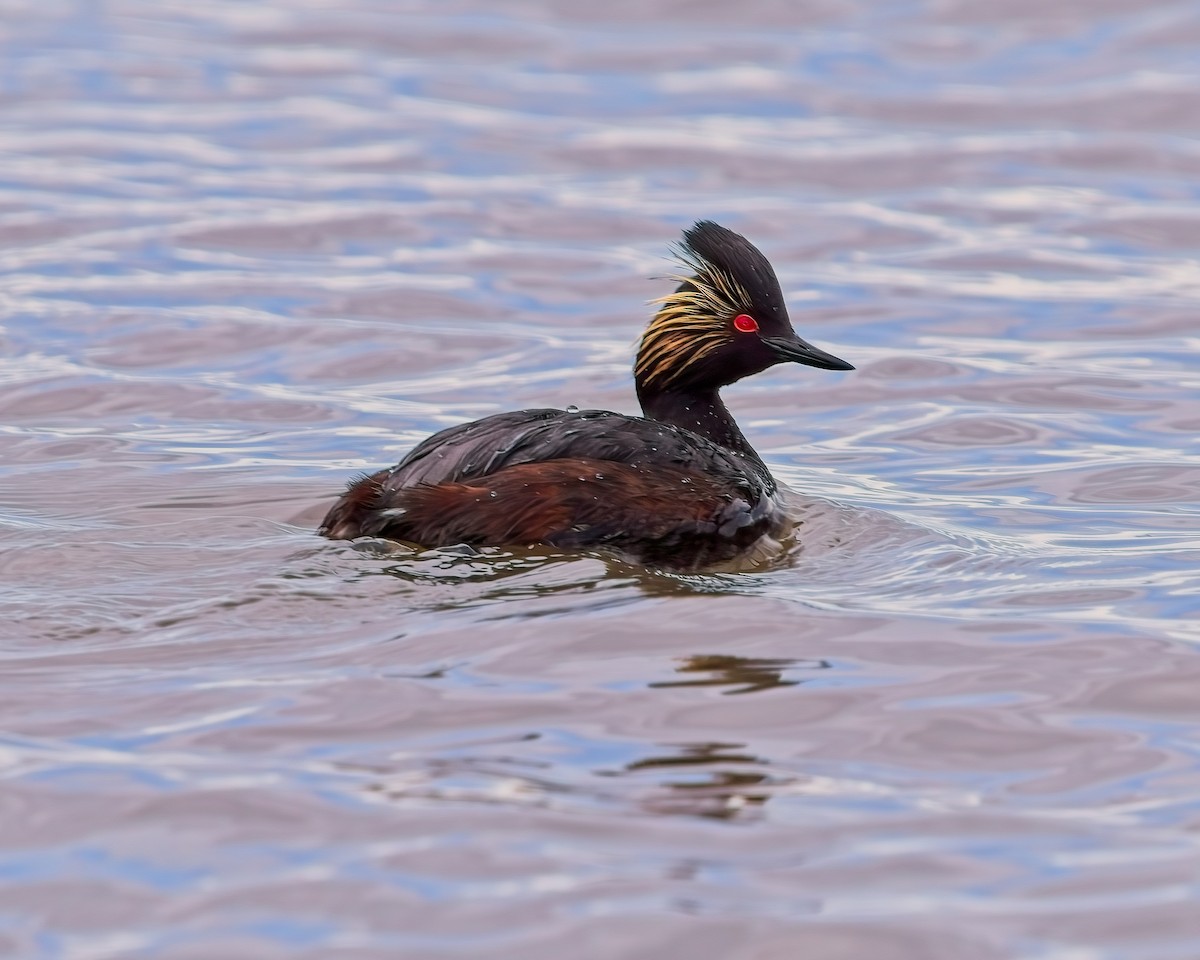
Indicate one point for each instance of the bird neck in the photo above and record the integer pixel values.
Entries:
(700, 411)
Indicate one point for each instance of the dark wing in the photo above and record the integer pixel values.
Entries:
(461, 456)
(480, 448)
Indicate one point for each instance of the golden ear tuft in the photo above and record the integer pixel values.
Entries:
(692, 321)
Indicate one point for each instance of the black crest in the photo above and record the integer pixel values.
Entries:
(728, 260)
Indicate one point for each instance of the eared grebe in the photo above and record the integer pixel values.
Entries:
(680, 488)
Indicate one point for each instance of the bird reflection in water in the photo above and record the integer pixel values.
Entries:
(720, 793)
(715, 780)
(725, 781)
(743, 674)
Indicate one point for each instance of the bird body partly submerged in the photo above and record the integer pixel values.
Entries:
(679, 488)
(591, 479)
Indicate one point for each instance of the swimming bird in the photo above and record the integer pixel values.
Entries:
(679, 488)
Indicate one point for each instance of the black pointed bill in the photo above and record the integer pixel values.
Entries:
(798, 351)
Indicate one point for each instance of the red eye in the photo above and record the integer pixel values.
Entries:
(745, 323)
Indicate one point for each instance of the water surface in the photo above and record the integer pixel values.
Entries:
(249, 250)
